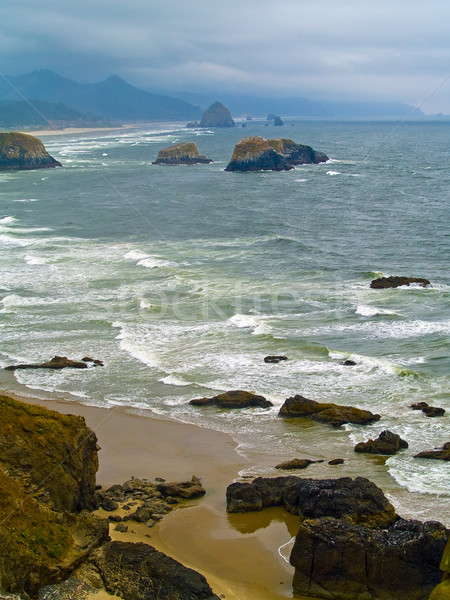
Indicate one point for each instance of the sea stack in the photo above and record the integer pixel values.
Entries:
(217, 115)
(19, 151)
(256, 154)
(297, 154)
(181, 154)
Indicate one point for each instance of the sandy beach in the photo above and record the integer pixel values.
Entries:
(73, 130)
(238, 554)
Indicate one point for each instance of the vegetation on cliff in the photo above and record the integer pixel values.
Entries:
(22, 151)
(181, 154)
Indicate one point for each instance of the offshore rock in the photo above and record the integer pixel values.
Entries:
(278, 122)
(397, 281)
(48, 463)
(217, 115)
(429, 411)
(234, 399)
(440, 454)
(296, 463)
(359, 500)
(181, 154)
(339, 560)
(58, 362)
(20, 151)
(297, 154)
(330, 414)
(387, 443)
(140, 572)
(274, 359)
(256, 154)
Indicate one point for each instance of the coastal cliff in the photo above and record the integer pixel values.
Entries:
(19, 151)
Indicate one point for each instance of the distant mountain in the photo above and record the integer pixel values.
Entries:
(37, 113)
(112, 99)
(256, 106)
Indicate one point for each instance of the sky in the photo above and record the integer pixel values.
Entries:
(383, 50)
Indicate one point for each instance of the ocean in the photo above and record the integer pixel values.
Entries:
(182, 279)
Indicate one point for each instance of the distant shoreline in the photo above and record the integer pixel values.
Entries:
(72, 130)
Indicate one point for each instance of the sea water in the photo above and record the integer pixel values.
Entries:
(182, 279)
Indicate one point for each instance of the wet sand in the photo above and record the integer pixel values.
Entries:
(238, 554)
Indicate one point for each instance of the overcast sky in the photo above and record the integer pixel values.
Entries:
(331, 49)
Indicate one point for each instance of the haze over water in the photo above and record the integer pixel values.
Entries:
(181, 279)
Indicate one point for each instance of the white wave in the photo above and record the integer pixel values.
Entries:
(35, 260)
(8, 220)
(26, 200)
(135, 255)
(174, 380)
(243, 321)
(136, 346)
(371, 311)
(152, 263)
(301, 180)
(334, 173)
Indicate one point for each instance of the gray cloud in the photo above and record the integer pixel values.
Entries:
(348, 49)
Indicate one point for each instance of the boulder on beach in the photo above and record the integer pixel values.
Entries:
(182, 489)
(387, 443)
(328, 413)
(340, 560)
(181, 154)
(396, 281)
(20, 151)
(256, 154)
(437, 454)
(217, 115)
(297, 154)
(296, 463)
(140, 572)
(234, 399)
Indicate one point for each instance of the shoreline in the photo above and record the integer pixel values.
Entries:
(238, 554)
(73, 130)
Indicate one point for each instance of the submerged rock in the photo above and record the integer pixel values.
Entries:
(328, 413)
(397, 281)
(181, 154)
(58, 362)
(217, 115)
(23, 152)
(429, 411)
(296, 463)
(274, 359)
(439, 454)
(234, 399)
(336, 559)
(297, 154)
(140, 572)
(387, 443)
(256, 154)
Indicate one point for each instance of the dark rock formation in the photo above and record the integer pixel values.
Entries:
(331, 414)
(274, 359)
(440, 454)
(297, 154)
(357, 499)
(337, 559)
(234, 399)
(348, 363)
(429, 411)
(183, 489)
(139, 572)
(442, 590)
(181, 154)
(296, 463)
(58, 362)
(278, 122)
(217, 115)
(192, 124)
(271, 117)
(23, 152)
(396, 281)
(256, 154)
(387, 443)
(48, 463)
(336, 461)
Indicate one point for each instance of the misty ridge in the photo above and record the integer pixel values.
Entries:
(42, 96)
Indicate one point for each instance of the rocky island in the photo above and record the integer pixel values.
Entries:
(181, 154)
(19, 151)
(258, 154)
(217, 115)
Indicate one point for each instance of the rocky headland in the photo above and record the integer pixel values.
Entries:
(217, 115)
(19, 151)
(181, 154)
(258, 154)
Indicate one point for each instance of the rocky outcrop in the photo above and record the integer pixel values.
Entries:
(339, 560)
(429, 411)
(296, 463)
(387, 443)
(234, 399)
(181, 154)
(256, 154)
(48, 463)
(297, 154)
(19, 151)
(327, 413)
(140, 572)
(442, 590)
(278, 122)
(59, 362)
(397, 281)
(357, 499)
(217, 115)
(439, 454)
(274, 359)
